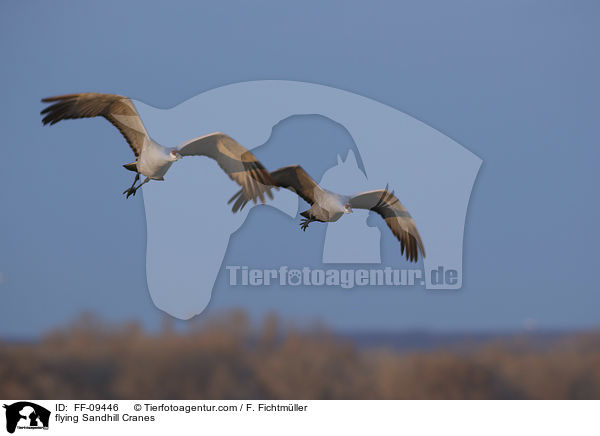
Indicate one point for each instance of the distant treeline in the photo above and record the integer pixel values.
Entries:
(226, 359)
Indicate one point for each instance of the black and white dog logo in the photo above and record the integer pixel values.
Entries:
(26, 415)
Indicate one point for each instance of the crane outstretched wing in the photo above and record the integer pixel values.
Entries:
(238, 162)
(292, 177)
(396, 217)
(117, 109)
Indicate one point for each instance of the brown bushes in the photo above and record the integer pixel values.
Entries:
(225, 359)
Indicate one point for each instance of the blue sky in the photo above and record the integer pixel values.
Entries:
(514, 81)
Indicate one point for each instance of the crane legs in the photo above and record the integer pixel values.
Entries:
(305, 222)
(133, 189)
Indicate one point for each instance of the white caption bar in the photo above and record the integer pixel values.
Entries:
(302, 417)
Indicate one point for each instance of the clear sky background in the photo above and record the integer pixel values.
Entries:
(516, 82)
